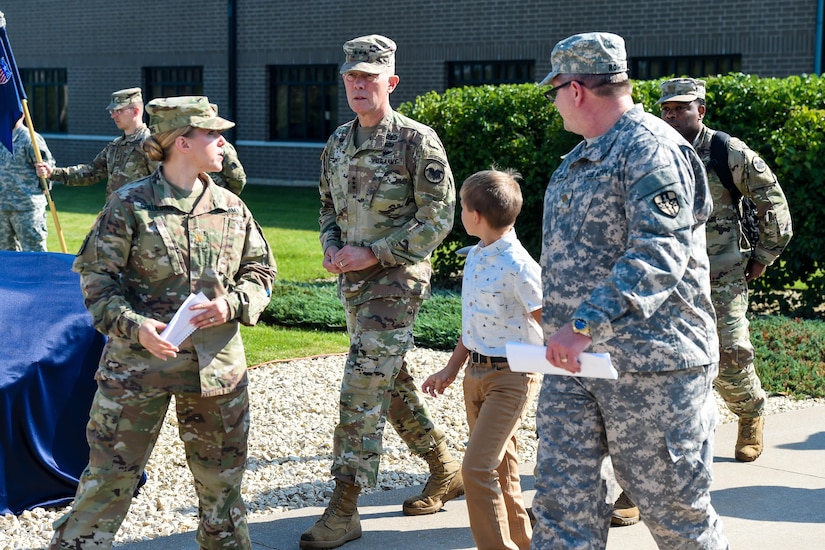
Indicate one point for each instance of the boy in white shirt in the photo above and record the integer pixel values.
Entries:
(501, 301)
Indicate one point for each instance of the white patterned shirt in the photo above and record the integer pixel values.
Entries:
(500, 289)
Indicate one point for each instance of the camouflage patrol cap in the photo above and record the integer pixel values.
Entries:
(683, 90)
(124, 98)
(588, 53)
(170, 113)
(374, 54)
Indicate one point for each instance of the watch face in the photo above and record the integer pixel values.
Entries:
(580, 324)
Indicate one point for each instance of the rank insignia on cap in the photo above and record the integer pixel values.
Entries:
(434, 172)
(667, 203)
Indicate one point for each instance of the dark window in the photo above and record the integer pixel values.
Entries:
(171, 81)
(475, 73)
(647, 68)
(48, 95)
(303, 102)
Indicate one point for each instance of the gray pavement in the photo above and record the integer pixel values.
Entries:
(777, 502)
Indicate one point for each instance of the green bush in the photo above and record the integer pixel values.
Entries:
(789, 355)
(509, 126)
(316, 306)
(515, 126)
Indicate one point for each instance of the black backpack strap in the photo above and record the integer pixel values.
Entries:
(719, 162)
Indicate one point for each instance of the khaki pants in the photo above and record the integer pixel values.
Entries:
(496, 399)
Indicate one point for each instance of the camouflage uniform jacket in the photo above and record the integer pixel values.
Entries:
(121, 161)
(19, 186)
(232, 175)
(394, 194)
(624, 247)
(145, 255)
(727, 247)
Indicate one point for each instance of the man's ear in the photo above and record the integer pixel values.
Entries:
(394, 79)
(702, 110)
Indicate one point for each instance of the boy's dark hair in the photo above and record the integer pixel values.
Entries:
(495, 194)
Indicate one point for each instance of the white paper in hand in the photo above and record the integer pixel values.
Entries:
(180, 327)
(529, 358)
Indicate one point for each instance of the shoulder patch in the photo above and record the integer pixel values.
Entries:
(667, 203)
(759, 165)
(434, 172)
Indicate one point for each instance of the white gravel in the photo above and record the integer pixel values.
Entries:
(294, 409)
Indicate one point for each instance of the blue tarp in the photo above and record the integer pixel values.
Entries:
(49, 352)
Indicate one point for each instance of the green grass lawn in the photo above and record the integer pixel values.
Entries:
(789, 351)
(289, 219)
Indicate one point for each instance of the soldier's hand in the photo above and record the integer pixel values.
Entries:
(754, 270)
(354, 258)
(564, 347)
(329, 260)
(149, 337)
(43, 170)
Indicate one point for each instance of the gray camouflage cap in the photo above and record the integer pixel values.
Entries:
(170, 113)
(588, 53)
(683, 90)
(124, 98)
(373, 54)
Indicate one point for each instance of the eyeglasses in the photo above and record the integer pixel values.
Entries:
(119, 111)
(551, 93)
(353, 76)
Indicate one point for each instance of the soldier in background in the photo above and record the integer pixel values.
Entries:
(733, 260)
(22, 200)
(387, 201)
(232, 175)
(122, 160)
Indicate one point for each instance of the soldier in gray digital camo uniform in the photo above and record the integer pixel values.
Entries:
(122, 160)
(731, 262)
(22, 202)
(387, 200)
(625, 271)
(156, 241)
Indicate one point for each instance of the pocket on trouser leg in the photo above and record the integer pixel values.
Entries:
(102, 431)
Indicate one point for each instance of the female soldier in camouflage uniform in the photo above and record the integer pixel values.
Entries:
(155, 242)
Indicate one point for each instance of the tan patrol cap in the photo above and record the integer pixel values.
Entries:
(124, 98)
(683, 90)
(170, 113)
(373, 54)
(587, 53)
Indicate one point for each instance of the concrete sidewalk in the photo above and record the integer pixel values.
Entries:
(777, 502)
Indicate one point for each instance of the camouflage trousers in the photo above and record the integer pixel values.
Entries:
(657, 428)
(124, 423)
(377, 385)
(738, 382)
(24, 230)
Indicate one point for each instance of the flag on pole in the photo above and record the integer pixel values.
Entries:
(11, 89)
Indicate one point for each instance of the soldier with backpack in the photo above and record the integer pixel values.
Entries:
(748, 229)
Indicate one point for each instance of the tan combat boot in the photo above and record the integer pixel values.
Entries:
(340, 522)
(445, 483)
(749, 441)
(625, 512)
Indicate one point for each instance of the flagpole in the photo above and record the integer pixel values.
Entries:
(43, 183)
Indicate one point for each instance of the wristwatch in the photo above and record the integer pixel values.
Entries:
(580, 326)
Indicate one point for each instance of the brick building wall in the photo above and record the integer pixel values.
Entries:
(104, 45)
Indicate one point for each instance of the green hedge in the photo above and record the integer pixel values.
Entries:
(789, 351)
(515, 126)
(316, 306)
